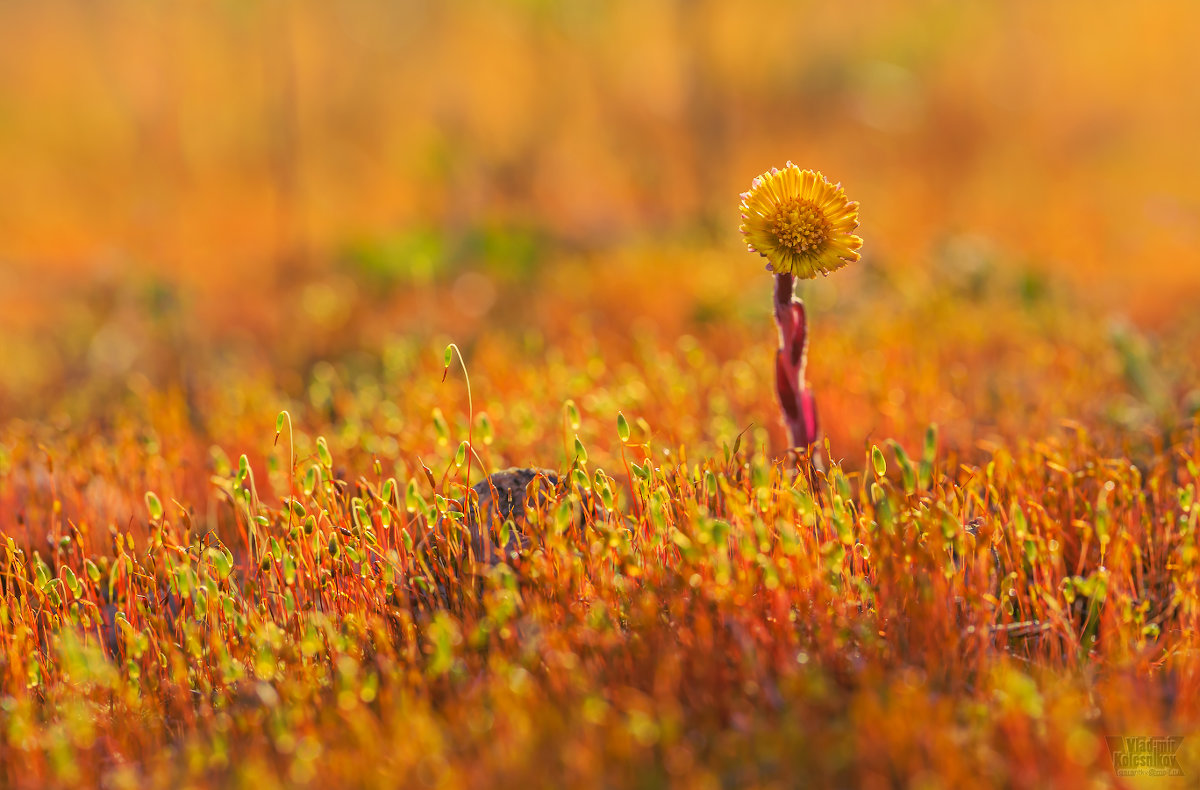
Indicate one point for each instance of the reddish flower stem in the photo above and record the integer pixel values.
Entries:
(795, 399)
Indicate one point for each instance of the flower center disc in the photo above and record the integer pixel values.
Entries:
(800, 226)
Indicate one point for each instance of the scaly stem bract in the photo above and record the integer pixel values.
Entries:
(795, 399)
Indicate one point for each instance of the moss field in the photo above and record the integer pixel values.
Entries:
(220, 581)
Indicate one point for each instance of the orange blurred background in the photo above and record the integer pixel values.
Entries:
(277, 162)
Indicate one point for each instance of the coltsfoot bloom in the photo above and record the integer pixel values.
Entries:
(802, 224)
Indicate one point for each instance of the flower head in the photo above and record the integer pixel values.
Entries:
(802, 224)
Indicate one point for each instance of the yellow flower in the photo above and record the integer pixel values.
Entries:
(799, 222)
